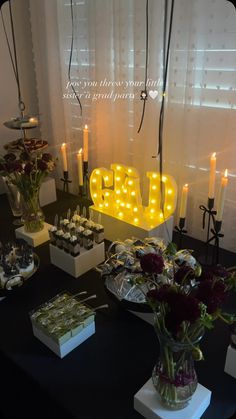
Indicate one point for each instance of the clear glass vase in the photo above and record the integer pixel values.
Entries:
(33, 217)
(14, 197)
(174, 376)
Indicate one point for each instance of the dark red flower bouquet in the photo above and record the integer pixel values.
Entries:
(185, 300)
(27, 171)
(188, 300)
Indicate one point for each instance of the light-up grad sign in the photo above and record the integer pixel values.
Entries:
(116, 192)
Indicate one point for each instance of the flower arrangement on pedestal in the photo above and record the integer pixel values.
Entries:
(185, 301)
(184, 305)
(27, 171)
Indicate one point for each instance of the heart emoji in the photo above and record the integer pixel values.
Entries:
(153, 94)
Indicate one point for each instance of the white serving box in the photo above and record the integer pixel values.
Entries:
(78, 265)
(47, 193)
(147, 403)
(230, 363)
(63, 349)
(34, 239)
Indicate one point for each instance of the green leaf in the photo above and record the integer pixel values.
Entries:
(171, 249)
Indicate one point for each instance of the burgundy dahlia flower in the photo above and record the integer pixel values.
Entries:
(152, 263)
(46, 157)
(183, 272)
(212, 294)
(42, 165)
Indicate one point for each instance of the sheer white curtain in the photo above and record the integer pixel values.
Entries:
(109, 47)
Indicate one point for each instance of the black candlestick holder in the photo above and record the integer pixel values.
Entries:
(66, 181)
(180, 229)
(209, 217)
(216, 236)
(81, 190)
(86, 179)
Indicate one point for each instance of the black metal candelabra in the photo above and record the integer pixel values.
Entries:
(86, 179)
(65, 181)
(209, 214)
(181, 230)
(216, 236)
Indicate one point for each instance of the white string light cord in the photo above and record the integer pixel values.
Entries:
(13, 57)
(70, 58)
(166, 50)
(144, 94)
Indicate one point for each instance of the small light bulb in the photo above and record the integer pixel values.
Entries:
(122, 204)
(154, 176)
(169, 207)
(154, 187)
(106, 204)
(97, 172)
(161, 215)
(164, 178)
(118, 167)
(94, 180)
(107, 193)
(120, 214)
(133, 193)
(100, 205)
(117, 178)
(106, 178)
(153, 201)
(125, 190)
(128, 205)
(129, 170)
(152, 210)
(95, 195)
(136, 220)
(130, 182)
(118, 201)
(135, 209)
(118, 191)
(170, 191)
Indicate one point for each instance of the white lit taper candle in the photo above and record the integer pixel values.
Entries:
(211, 191)
(85, 142)
(64, 157)
(80, 166)
(183, 202)
(221, 197)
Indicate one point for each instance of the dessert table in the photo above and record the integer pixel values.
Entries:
(99, 378)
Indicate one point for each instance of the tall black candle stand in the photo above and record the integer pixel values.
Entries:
(65, 181)
(86, 179)
(81, 190)
(180, 229)
(216, 236)
(210, 214)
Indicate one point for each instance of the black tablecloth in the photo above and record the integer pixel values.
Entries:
(100, 377)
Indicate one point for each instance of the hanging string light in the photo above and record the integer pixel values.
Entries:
(144, 93)
(23, 121)
(71, 53)
(166, 49)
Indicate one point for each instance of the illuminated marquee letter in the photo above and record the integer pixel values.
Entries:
(124, 201)
(153, 211)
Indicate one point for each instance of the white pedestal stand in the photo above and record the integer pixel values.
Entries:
(147, 403)
(230, 363)
(47, 193)
(34, 239)
(116, 229)
(78, 265)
